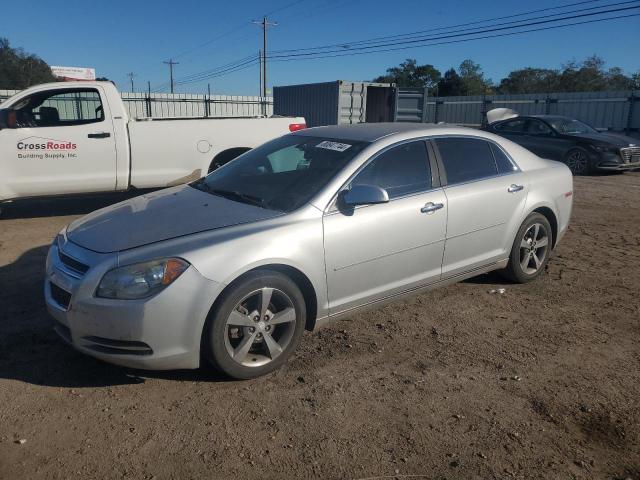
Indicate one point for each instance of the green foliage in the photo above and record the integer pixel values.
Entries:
(19, 70)
(589, 75)
(473, 81)
(450, 85)
(410, 74)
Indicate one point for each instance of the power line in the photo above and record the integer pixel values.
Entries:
(424, 39)
(419, 32)
(428, 40)
(236, 68)
(584, 22)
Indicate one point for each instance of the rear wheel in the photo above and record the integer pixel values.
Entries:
(578, 161)
(530, 250)
(257, 325)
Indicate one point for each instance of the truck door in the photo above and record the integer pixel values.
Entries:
(59, 141)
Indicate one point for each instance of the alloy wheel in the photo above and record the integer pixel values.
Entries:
(577, 162)
(534, 247)
(260, 327)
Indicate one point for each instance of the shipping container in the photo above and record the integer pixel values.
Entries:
(334, 103)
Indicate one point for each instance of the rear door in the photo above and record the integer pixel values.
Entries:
(374, 251)
(486, 193)
(64, 143)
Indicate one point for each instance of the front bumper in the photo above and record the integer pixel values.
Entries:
(614, 162)
(159, 333)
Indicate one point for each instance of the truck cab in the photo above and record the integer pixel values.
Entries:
(62, 136)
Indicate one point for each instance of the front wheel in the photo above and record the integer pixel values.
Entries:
(530, 250)
(256, 326)
(578, 161)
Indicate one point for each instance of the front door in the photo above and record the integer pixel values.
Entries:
(63, 142)
(375, 251)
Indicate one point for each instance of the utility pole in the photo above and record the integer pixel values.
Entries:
(171, 63)
(260, 72)
(131, 75)
(265, 25)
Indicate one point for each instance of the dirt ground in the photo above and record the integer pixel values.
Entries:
(540, 382)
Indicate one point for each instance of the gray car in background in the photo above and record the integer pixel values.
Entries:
(306, 228)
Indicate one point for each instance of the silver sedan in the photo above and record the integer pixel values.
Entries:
(309, 227)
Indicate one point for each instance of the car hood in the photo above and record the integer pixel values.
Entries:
(610, 138)
(158, 216)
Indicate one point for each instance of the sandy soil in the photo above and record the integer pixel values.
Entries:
(540, 382)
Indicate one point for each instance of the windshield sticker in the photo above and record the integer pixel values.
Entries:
(335, 146)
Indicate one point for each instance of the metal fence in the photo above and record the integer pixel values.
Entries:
(168, 105)
(605, 110)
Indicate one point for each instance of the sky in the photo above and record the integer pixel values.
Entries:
(117, 37)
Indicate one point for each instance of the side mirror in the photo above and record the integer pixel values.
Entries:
(364, 195)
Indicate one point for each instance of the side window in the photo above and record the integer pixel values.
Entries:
(466, 159)
(400, 171)
(502, 161)
(60, 108)
(536, 127)
(512, 126)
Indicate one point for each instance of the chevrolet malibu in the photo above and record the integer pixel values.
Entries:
(312, 226)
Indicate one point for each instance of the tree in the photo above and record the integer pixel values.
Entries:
(529, 80)
(410, 74)
(473, 80)
(451, 84)
(19, 70)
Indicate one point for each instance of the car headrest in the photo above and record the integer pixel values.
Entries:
(49, 115)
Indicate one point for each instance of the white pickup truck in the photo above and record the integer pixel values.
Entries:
(62, 138)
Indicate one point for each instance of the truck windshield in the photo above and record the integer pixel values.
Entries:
(282, 174)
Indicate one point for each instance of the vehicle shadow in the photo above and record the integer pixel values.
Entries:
(61, 206)
(491, 278)
(31, 352)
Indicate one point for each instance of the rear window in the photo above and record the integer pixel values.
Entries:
(466, 159)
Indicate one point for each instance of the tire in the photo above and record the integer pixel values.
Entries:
(578, 161)
(225, 157)
(527, 263)
(244, 338)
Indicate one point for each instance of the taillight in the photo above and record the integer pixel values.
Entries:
(294, 127)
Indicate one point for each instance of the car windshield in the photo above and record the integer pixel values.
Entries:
(282, 174)
(570, 126)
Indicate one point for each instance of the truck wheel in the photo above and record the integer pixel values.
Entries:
(225, 157)
(530, 250)
(256, 326)
(578, 161)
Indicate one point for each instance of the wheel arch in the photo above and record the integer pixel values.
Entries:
(297, 276)
(226, 156)
(552, 219)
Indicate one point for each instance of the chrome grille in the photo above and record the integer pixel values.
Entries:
(630, 154)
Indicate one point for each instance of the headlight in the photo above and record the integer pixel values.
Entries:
(141, 280)
(603, 148)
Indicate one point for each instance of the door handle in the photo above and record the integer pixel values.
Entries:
(99, 135)
(431, 207)
(514, 188)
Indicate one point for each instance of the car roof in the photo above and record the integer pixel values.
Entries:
(370, 132)
(548, 117)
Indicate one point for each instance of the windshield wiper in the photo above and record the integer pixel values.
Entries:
(238, 196)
